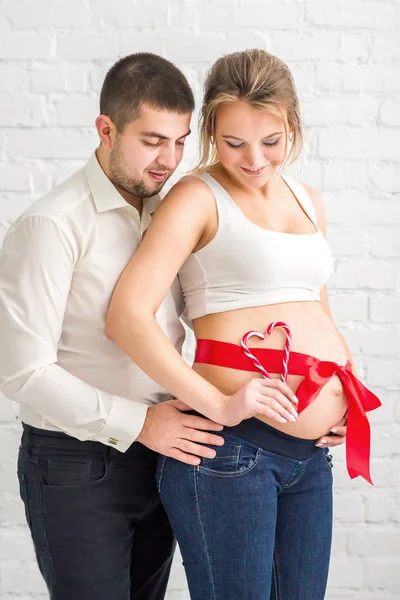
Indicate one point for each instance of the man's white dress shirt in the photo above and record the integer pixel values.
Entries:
(59, 264)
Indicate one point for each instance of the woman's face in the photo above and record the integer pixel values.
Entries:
(251, 143)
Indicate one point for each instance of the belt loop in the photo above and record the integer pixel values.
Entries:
(26, 432)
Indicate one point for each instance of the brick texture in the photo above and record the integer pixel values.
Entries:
(344, 55)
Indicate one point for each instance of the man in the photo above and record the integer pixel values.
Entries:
(90, 496)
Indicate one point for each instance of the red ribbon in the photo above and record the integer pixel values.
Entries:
(316, 374)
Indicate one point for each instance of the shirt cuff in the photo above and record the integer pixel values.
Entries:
(123, 425)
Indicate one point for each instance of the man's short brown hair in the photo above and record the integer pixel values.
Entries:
(143, 78)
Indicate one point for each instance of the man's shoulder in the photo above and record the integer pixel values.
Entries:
(67, 212)
(68, 200)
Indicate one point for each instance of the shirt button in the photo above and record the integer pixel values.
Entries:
(112, 441)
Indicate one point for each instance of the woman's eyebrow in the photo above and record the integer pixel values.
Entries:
(233, 137)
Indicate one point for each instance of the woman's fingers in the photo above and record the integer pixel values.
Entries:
(282, 387)
(342, 423)
(273, 409)
(269, 397)
(339, 430)
(275, 399)
(338, 436)
(330, 441)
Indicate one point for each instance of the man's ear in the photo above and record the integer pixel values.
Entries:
(106, 130)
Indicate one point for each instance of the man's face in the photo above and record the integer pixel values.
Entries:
(148, 151)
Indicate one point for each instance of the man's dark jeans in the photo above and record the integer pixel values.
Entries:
(97, 523)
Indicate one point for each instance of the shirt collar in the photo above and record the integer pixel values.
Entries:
(106, 196)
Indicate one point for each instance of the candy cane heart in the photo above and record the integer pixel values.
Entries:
(261, 336)
(250, 355)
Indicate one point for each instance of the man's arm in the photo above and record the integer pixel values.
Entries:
(37, 263)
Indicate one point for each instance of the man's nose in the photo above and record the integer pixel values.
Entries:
(168, 158)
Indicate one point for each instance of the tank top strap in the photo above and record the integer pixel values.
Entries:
(223, 200)
(302, 197)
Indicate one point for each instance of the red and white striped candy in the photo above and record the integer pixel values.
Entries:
(288, 344)
(250, 355)
(261, 336)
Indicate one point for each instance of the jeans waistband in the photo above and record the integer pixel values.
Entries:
(272, 440)
(57, 439)
(61, 441)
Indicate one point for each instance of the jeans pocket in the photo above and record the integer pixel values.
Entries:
(231, 460)
(65, 471)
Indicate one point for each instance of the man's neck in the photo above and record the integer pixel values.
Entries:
(135, 201)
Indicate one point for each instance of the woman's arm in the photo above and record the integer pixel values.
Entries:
(176, 229)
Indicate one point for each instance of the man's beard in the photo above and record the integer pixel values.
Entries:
(129, 182)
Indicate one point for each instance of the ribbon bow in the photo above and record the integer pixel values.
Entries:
(316, 374)
(360, 400)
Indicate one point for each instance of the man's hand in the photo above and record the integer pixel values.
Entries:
(338, 437)
(171, 432)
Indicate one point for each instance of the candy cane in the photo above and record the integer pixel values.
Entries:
(288, 343)
(249, 354)
(261, 336)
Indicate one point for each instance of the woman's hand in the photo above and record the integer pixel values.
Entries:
(269, 397)
(338, 436)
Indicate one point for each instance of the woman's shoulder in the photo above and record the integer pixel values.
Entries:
(195, 181)
(190, 181)
(190, 196)
(190, 188)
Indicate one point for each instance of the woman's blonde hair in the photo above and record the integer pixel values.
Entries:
(262, 80)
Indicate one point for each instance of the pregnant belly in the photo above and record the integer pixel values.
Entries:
(313, 333)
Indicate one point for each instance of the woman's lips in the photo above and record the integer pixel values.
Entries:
(254, 173)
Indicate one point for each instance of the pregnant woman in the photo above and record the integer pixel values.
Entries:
(254, 519)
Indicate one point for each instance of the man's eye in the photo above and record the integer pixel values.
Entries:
(150, 145)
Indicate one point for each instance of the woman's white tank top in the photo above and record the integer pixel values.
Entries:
(245, 265)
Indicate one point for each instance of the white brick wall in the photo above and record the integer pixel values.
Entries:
(345, 58)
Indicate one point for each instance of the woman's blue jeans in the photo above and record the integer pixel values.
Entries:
(251, 524)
